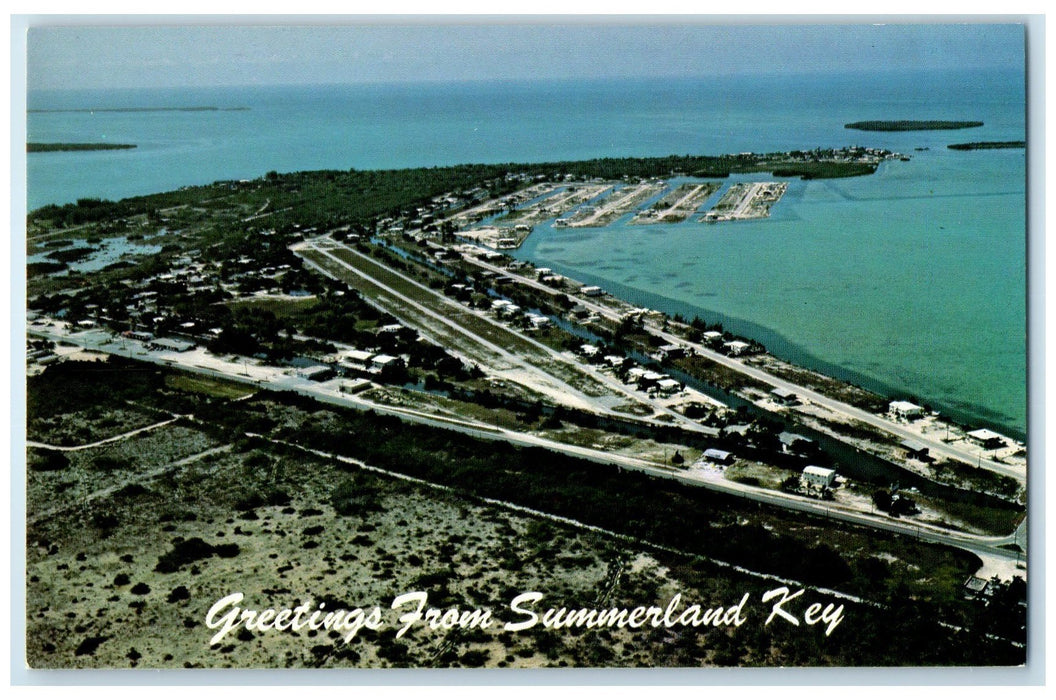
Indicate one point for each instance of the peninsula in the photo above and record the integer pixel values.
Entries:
(514, 430)
(911, 125)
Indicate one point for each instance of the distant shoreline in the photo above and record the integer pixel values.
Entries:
(139, 109)
(986, 145)
(53, 147)
(911, 125)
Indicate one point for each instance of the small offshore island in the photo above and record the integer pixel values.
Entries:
(92, 110)
(910, 125)
(53, 147)
(986, 145)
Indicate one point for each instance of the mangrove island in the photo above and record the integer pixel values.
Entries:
(910, 125)
(986, 145)
(48, 147)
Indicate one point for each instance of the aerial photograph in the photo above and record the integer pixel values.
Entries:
(466, 343)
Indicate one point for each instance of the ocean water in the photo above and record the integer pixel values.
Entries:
(911, 281)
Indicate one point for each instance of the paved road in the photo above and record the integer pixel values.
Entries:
(937, 447)
(279, 380)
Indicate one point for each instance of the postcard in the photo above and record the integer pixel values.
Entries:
(580, 344)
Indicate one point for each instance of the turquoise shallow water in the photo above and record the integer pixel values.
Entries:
(911, 281)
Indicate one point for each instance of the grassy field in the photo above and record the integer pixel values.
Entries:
(282, 307)
(209, 386)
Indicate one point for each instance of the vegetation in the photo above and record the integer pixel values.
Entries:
(817, 171)
(911, 595)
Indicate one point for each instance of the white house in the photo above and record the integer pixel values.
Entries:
(736, 347)
(380, 362)
(819, 476)
(905, 409)
(356, 359)
(589, 351)
(636, 374)
(668, 386)
(538, 321)
(988, 438)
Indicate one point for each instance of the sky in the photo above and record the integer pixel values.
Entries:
(86, 56)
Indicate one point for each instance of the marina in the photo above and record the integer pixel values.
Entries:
(747, 200)
(678, 204)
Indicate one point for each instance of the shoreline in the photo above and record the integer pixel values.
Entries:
(777, 345)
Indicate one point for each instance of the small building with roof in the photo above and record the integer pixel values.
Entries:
(711, 338)
(718, 456)
(916, 450)
(988, 438)
(819, 477)
(794, 443)
(736, 347)
(668, 386)
(905, 409)
(315, 373)
(383, 362)
(590, 351)
(671, 351)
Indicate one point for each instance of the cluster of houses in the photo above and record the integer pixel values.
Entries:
(733, 348)
(507, 310)
(429, 219)
(426, 218)
(645, 379)
(847, 154)
(146, 304)
(352, 362)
